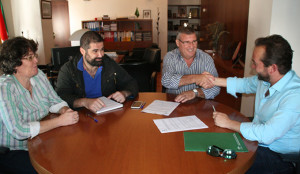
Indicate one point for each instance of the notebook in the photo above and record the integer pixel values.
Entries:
(199, 141)
(109, 105)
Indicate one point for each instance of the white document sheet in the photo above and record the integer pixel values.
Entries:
(176, 124)
(161, 107)
(109, 105)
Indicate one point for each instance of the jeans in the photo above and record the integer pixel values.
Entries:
(16, 161)
(269, 162)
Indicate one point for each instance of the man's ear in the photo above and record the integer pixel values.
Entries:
(273, 68)
(82, 51)
(177, 42)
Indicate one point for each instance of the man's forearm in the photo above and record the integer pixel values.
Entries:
(186, 80)
(222, 82)
(79, 103)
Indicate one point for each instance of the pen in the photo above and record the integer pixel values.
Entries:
(143, 105)
(92, 118)
(213, 108)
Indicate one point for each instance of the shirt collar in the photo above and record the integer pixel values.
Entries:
(279, 86)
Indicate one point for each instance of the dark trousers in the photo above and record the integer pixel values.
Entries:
(16, 161)
(269, 162)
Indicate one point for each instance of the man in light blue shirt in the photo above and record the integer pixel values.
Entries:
(276, 123)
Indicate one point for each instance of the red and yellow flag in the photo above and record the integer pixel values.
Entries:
(3, 28)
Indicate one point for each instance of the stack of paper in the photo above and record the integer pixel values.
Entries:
(109, 105)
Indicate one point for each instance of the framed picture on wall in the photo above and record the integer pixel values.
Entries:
(194, 12)
(182, 11)
(147, 14)
(46, 9)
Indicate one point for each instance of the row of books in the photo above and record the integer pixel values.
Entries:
(96, 26)
(143, 36)
(126, 36)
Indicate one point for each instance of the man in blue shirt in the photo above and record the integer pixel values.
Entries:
(276, 123)
(82, 80)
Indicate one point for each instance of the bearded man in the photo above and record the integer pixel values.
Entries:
(82, 80)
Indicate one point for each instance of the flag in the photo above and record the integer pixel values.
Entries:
(3, 28)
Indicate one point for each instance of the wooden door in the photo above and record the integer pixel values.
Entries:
(60, 22)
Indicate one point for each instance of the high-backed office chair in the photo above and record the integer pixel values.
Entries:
(59, 56)
(145, 70)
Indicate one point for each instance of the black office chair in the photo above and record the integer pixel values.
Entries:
(144, 69)
(59, 56)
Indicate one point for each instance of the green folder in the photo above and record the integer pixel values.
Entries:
(199, 141)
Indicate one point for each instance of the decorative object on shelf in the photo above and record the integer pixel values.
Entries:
(170, 25)
(174, 15)
(137, 13)
(46, 9)
(147, 14)
(182, 11)
(169, 13)
(105, 17)
(184, 23)
(194, 12)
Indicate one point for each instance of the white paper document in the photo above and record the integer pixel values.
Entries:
(109, 105)
(161, 107)
(176, 124)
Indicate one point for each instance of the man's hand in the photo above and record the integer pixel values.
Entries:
(117, 96)
(93, 104)
(222, 120)
(69, 117)
(185, 96)
(205, 80)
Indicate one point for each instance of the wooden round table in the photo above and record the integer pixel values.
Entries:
(127, 141)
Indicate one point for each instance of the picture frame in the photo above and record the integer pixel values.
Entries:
(46, 9)
(147, 14)
(182, 11)
(184, 23)
(194, 12)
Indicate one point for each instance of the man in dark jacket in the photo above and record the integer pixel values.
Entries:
(82, 80)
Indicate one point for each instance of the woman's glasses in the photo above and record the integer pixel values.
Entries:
(31, 56)
(219, 152)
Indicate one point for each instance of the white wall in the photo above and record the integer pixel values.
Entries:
(80, 10)
(271, 17)
(285, 21)
(25, 16)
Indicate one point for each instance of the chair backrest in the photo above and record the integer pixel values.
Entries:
(153, 57)
(62, 55)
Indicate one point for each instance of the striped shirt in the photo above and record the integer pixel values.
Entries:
(18, 110)
(174, 67)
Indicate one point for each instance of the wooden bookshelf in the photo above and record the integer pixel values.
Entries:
(123, 34)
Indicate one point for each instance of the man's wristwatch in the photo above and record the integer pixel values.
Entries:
(196, 92)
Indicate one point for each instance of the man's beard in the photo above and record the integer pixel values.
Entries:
(265, 78)
(93, 62)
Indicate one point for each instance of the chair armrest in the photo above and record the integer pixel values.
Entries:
(153, 81)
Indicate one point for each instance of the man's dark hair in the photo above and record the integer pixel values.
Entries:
(278, 51)
(89, 37)
(185, 30)
(12, 51)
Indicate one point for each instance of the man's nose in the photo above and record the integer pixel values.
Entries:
(100, 53)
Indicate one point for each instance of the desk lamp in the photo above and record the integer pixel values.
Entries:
(75, 37)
